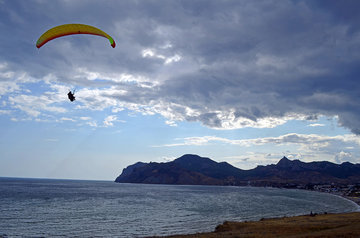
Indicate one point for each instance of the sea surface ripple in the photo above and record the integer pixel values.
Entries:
(73, 208)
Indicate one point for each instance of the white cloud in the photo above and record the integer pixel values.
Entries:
(67, 119)
(170, 123)
(316, 125)
(303, 146)
(252, 159)
(171, 59)
(85, 118)
(167, 158)
(5, 112)
(148, 53)
(108, 121)
(343, 156)
(33, 105)
(292, 138)
(92, 123)
(152, 53)
(84, 73)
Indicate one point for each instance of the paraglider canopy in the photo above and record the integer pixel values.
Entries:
(71, 29)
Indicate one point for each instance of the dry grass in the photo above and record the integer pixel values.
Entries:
(329, 225)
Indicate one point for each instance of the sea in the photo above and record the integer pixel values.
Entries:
(74, 208)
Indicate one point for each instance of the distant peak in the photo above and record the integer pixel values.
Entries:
(189, 157)
(284, 161)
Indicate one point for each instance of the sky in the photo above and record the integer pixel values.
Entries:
(246, 82)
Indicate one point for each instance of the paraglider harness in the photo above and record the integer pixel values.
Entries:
(71, 95)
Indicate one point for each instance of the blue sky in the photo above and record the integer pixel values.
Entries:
(246, 82)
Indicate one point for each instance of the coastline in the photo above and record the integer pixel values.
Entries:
(355, 200)
(311, 225)
(321, 225)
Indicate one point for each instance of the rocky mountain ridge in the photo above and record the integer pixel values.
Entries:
(193, 169)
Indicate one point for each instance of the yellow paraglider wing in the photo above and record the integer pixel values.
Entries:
(71, 29)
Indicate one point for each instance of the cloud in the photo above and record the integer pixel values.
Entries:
(300, 146)
(292, 138)
(316, 125)
(108, 121)
(226, 64)
(252, 159)
(170, 123)
(92, 123)
(4, 112)
(343, 156)
(33, 105)
(85, 118)
(167, 158)
(67, 119)
(151, 53)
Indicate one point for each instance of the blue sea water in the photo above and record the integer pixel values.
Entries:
(70, 208)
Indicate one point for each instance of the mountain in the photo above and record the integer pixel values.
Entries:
(193, 169)
(164, 173)
(207, 166)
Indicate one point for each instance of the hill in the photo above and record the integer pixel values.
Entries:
(193, 169)
(324, 225)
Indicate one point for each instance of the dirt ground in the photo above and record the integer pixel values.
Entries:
(324, 225)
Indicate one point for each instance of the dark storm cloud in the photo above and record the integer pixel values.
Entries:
(269, 63)
(236, 60)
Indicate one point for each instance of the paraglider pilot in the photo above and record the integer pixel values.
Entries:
(71, 96)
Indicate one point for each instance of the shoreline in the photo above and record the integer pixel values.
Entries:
(326, 224)
(355, 200)
(329, 225)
